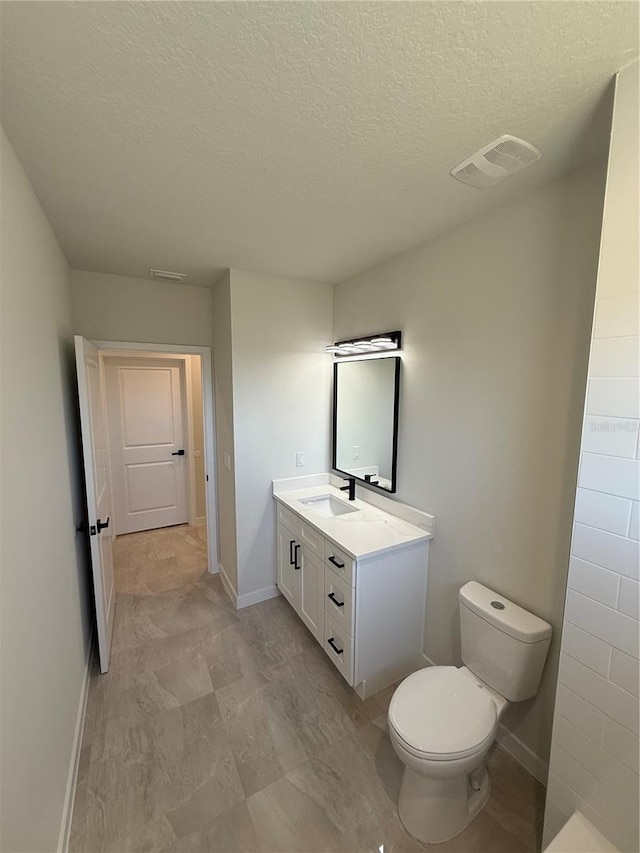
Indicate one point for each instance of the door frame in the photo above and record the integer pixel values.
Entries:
(128, 348)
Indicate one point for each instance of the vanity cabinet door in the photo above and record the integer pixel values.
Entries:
(289, 566)
(311, 608)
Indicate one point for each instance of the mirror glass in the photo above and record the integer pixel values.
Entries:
(365, 420)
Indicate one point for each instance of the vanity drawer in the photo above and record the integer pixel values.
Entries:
(339, 647)
(289, 519)
(311, 539)
(340, 563)
(338, 600)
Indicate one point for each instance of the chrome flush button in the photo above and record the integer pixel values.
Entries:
(498, 605)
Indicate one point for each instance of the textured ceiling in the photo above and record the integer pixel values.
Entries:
(308, 139)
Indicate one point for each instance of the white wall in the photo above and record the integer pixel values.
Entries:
(119, 308)
(223, 385)
(281, 388)
(495, 318)
(44, 603)
(594, 758)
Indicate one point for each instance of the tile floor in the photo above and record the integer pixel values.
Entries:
(224, 730)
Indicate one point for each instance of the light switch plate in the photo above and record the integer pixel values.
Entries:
(227, 461)
(356, 451)
(300, 459)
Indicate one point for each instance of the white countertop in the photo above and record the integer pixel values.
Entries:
(365, 533)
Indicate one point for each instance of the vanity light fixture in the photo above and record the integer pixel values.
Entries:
(166, 275)
(381, 342)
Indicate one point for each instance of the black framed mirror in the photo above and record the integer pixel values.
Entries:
(366, 395)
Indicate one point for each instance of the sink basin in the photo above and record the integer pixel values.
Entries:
(328, 507)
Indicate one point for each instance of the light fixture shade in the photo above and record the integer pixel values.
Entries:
(367, 344)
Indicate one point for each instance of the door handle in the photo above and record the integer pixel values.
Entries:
(292, 542)
(178, 453)
(295, 558)
(102, 525)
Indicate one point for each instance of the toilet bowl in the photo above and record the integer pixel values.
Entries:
(443, 720)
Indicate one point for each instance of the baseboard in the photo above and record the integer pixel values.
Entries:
(538, 768)
(67, 812)
(515, 747)
(201, 521)
(229, 587)
(257, 596)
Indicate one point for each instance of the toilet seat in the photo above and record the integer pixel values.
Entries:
(441, 714)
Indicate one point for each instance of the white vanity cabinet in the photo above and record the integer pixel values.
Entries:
(301, 570)
(367, 611)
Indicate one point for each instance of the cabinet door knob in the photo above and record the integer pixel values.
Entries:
(335, 600)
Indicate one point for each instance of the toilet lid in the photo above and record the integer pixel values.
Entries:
(440, 711)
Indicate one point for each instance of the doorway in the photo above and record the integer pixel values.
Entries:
(148, 433)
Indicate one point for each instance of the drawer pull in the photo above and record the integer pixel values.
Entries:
(335, 600)
(336, 563)
(291, 558)
(334, 647)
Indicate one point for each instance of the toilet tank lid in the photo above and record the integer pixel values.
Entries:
(504, 614)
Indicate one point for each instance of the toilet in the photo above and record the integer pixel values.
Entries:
(443, 719)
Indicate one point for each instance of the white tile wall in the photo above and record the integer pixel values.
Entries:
(609, 625)
(618, 553)
(586, 648)
(604, 511)
(603, 694)
(582, 714)
(610, 475)
(610, 436)
(629, 598)
(594, 582)
(613, 397)
(595, 747)
(615, 357)
(621, 743)
(616, 316)
(634, 524)
(624, 671)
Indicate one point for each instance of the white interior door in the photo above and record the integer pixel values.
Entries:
(96, 466)
(145, 404)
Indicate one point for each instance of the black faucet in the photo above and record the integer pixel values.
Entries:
(351, 488)
(368, 479)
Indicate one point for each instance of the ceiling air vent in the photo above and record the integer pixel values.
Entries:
(503, 157)
(165, 275)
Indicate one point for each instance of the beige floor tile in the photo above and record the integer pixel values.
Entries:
(223, 730)
(230, 832)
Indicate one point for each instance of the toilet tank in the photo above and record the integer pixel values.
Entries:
(504, 645)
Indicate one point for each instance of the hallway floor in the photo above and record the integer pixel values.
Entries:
(224, 730)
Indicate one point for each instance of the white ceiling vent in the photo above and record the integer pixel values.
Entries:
(505, 156)
(165, 275)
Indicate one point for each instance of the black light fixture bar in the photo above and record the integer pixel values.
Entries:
(367, 344)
